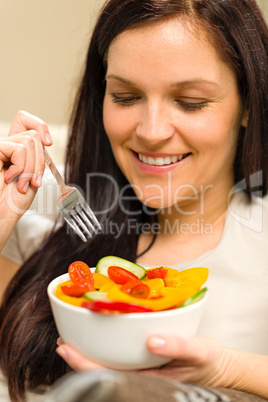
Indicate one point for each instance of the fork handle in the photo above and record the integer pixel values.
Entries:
(53, 169)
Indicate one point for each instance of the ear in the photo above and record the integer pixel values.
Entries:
(244, 121)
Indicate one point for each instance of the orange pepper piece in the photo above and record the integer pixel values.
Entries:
(75, 301)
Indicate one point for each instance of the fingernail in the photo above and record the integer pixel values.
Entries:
(157, 342)
(62, 353)
(39, 180)
(26, 186)
(48, 138)
(59, 341)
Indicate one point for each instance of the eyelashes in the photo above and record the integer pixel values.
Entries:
(192, 106)
(125, 100)
(131, 100)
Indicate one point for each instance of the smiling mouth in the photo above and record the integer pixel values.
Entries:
(161, 161)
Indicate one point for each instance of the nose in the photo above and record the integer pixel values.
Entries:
(155, 123)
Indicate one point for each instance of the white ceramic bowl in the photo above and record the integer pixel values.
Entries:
(119, 341)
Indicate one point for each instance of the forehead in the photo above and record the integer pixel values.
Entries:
(168, 31)
(170, 45)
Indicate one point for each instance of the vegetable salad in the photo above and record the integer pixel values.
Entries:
(119, 286)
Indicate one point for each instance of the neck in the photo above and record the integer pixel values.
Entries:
(205, 208)
(190, 228)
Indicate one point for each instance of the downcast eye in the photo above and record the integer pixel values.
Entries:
(191, 107)
(125, 100)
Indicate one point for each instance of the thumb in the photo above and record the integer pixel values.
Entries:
(194, 351)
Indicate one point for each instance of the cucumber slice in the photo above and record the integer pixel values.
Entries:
(95, 295)
(111, 261)
(195, 298)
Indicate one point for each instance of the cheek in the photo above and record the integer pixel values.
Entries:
(109, 120)
(116, 122)
(216, 131)
(116, 131)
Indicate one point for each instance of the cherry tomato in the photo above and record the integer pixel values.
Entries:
(160, 272)
(80, 274)
(136, 289)
(74, 290)
(120, 275)
(111, 307)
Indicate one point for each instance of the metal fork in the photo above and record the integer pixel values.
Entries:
(73, 205)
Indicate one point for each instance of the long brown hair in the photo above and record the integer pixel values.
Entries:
(238, 31)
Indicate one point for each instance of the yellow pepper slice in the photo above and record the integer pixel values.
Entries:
(108, 286)
(194, 277)
(171, 297)
(100, 280)
(155, 285)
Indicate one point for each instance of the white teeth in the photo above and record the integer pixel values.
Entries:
(150, 161)
(160, 161)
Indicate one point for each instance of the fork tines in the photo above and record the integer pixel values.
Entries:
(73, 205)
(79, 215)
(83, 221)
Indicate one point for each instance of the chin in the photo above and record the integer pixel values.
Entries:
(157, 203)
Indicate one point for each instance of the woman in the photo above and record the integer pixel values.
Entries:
(173, 101)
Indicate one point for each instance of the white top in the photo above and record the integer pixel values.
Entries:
(237, 309)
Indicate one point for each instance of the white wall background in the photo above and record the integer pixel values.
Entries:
(42, 49)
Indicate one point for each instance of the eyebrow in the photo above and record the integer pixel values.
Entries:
(116, 77)
(193, 82)
(179, 84)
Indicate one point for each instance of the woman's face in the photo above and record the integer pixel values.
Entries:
(172, 113)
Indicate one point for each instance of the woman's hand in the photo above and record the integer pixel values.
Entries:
(21, 168)
(198, 361)
(201, 361)
(24, 149)
(204, 361)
